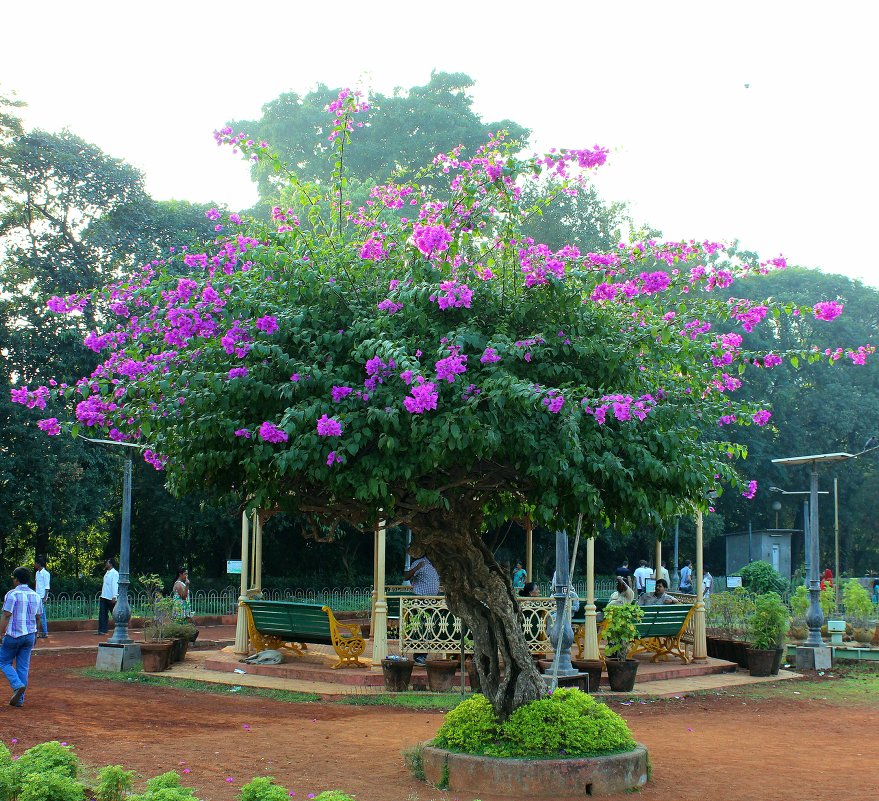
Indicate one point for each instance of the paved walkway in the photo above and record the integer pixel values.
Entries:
(208, 637)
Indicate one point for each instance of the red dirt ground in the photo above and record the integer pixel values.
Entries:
(702, 749)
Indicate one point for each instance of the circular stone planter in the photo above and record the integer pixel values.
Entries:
(536, 778)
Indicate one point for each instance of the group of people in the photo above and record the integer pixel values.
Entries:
(24, 617)
(637, 579)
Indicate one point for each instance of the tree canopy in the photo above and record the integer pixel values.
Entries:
(440, 369)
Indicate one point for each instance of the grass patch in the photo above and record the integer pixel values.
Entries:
(857, 685)
(136, 677)
(417, 700)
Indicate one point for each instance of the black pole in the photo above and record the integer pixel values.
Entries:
(122, 611)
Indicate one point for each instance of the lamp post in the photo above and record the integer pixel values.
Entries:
(814, 617)
(122, 610)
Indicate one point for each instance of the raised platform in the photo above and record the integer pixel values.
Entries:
(316, 666)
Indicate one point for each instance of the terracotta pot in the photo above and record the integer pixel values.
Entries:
(397, 673)
(156, 655)
(593, 668)
(760, 661)
(441, 674)
(621, 675)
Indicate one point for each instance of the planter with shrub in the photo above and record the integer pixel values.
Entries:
(556, 746)
(767, 627)
(621, 631)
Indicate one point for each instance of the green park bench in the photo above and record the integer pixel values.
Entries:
(662, 632)
(292, 624)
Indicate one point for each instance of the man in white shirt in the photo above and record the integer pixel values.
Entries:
(663, 574)
(707, 583)
(108, 595)
(43, 585)
(641, 575)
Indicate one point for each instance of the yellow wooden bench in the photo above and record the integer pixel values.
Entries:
(291, 625)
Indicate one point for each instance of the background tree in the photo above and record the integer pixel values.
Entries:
(406, 129)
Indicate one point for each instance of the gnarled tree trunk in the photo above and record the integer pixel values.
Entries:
(478, 592)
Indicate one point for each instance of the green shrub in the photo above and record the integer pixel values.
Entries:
(761, 577)
(47, 758)
(799, 601)
(165, 788)
(470, 727)
(621, 628)
(857, 603)
(5, 755)
(114, 783)
(827, 599)
(333, 795)
(413, 758)
(263, 788)
(769, 623)
(567, 723)
(8, 782)
(50, 787)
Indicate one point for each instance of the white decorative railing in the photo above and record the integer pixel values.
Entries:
(427, 625)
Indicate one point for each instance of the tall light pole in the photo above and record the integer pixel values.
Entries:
(122, 610)
(814, 617)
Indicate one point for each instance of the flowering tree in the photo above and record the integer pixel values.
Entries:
(418, 360)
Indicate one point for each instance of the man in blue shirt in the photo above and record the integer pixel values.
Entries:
(21, 612)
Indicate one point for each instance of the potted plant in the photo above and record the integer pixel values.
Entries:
(766, 627)
(799, 604)
(858, 609)
(156, 648)
(182, 634)
(742, 608)
(621, 631)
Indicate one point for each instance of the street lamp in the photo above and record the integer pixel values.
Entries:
(815, 616)
(122, 610)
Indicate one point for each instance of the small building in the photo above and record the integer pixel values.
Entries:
(771, 545)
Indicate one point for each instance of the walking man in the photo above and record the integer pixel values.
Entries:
(21, 611)
(108, 595)
(686, 584)
(43, 585)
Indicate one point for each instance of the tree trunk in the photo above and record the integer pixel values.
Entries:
(478, 592)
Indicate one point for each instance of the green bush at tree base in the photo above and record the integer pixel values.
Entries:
(568, 723)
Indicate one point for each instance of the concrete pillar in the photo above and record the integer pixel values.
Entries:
(380, 618)
(257, 552)
(374, 582)
(590, 634)
(241, 638)
(656, 569)
(700, 645)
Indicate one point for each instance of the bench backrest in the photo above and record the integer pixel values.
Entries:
(663, 621)
(291, 619)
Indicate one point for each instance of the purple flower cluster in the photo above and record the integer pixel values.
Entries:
(453, 295)
(489, 356)
(423, 398)
(269, 432)
(32, 399)
(50, 426)
(340, 392)
(238, 372)
(448, 368)
(827, 310)
(329, 427)
(751, 490)
(389, 306)
(431, 239)
(267, 324)
(761, 418)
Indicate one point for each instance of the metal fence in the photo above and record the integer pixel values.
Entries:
(79, 606)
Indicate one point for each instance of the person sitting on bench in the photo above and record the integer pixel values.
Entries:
(658, 596)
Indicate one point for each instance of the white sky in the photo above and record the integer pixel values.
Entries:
(788, 165)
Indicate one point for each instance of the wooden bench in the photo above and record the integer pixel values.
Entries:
(662, 631)
(291, 624)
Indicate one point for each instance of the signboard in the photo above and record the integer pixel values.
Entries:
(733, 581)
(233, 566)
